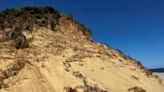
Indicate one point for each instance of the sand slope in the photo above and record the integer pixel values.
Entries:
(67, 61)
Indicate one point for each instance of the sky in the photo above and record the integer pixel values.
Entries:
(134, 26)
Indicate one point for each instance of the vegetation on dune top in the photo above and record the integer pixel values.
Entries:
(27, 17)
(27, 11)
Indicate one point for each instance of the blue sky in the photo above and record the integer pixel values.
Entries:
(134, 26)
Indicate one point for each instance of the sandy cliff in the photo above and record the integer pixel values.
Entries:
(65, 59)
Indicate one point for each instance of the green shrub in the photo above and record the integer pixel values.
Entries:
(86, 31)
(41, 10)
(62, 14)
(27, 17)
(8, 13)
(139, 65)
(121, 54)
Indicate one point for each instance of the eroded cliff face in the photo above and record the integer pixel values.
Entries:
(62, 57)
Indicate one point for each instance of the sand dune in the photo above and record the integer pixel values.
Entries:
(65, 59)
